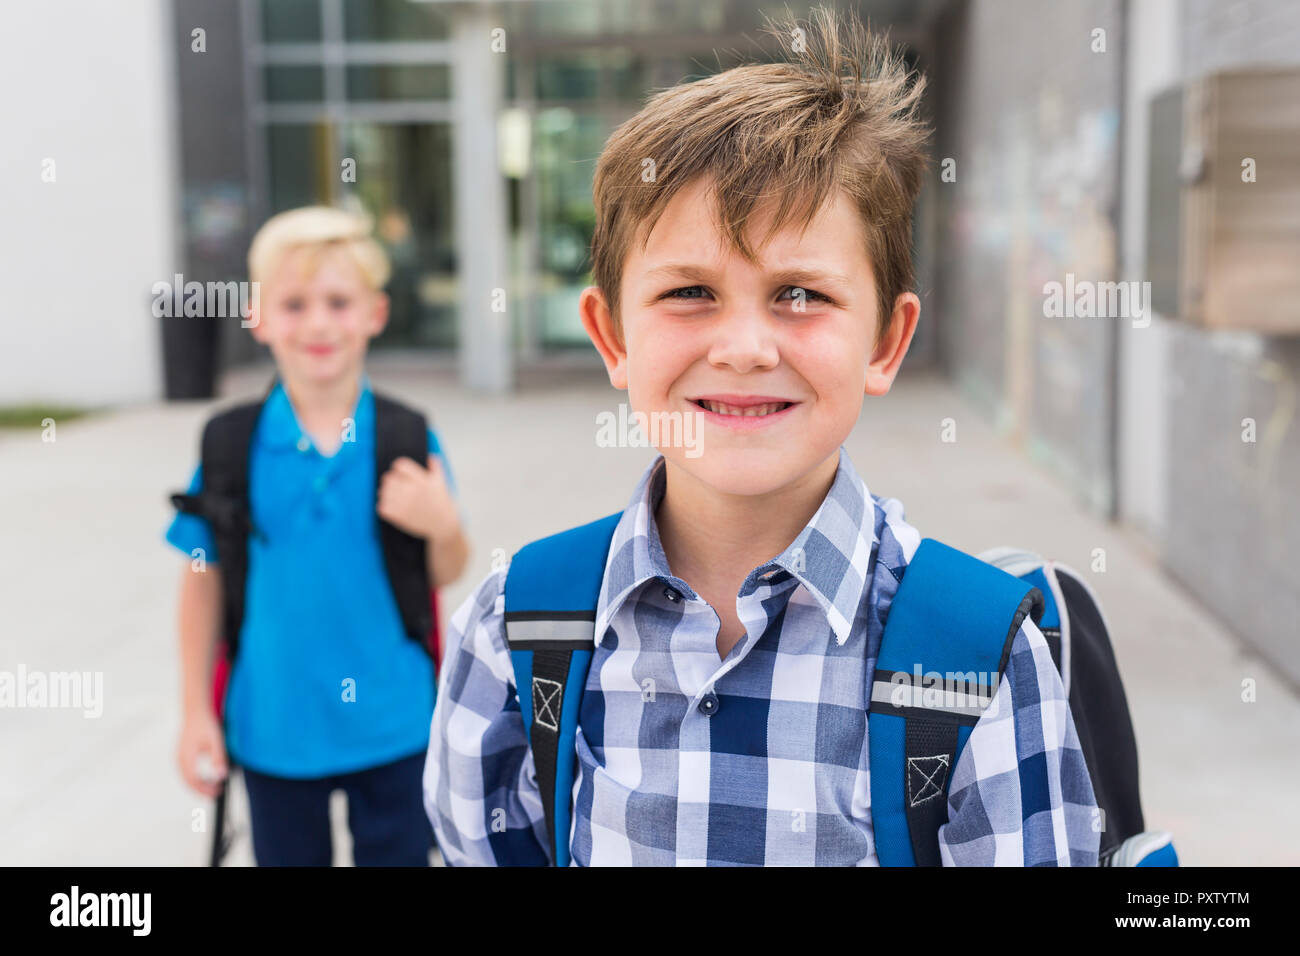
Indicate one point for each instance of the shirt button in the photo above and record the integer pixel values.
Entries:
(709, 704)
(320, 483)
(304, 443)
(672, 595)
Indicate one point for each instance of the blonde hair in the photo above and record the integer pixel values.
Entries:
(317, 229)
(844, 114)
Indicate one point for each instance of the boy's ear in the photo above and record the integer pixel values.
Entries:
(382, 309)
(255, 324)
(599, 323)
(893, 346)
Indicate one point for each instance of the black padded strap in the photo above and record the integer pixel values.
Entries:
(930, 753)
(550, 677)
(223, 501)
(402, 432)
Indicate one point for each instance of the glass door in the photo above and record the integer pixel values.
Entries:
(404, 183)
(352, 105)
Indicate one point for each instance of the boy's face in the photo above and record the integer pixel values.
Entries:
(703, 326)
(318, 322)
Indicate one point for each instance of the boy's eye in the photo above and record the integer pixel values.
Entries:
(682, 293)
(338, 302)
(292, 305)
(807, 293)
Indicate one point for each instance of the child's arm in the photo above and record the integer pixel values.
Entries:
(200, 627)
(480, 785)
(448, 550)
(447, 559)
(1020, 793)
(200, 620)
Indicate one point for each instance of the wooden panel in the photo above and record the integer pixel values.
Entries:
(1241, 239)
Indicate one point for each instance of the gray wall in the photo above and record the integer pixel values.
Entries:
(1233, 528)
(1044, 178)
(1031, 116)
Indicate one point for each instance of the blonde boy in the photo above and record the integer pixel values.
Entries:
(327, 689)
(752, 256)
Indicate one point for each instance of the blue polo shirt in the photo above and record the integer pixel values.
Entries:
(326, 680)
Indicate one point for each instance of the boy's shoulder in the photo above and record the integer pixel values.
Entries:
(387, 401)
(231, 421)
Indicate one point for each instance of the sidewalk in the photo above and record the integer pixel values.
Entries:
(89, 585)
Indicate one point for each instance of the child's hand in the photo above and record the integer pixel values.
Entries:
(201, 743)
(417, 500)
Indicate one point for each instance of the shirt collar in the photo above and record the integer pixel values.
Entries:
(279, 427)
(832, 556)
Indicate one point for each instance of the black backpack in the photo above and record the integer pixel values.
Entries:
(227, 437)
(1077, 636)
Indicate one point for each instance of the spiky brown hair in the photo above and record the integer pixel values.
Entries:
(843, 113)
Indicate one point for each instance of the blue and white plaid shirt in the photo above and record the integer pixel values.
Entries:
(761, 758)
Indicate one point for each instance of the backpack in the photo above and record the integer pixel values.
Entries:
(1079, 640)
(953, 613)
(227, 439)
(223, 501)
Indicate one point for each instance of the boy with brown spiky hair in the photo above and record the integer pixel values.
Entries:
(752, 259)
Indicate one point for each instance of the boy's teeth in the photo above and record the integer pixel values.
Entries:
(747, 411)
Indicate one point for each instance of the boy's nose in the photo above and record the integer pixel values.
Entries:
(318, 316)
(744, 339)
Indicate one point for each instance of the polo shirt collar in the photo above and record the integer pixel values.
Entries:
(832, 556)
(279, 427)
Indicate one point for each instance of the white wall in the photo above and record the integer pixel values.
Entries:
(1151, 47)
(89, 85)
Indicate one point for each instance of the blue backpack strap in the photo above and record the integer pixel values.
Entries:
(946, 643)
(1149, 848)
(552, 589)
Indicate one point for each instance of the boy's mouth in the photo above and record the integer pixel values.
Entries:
(743, 406)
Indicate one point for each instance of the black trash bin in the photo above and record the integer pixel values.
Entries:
(189, 356)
